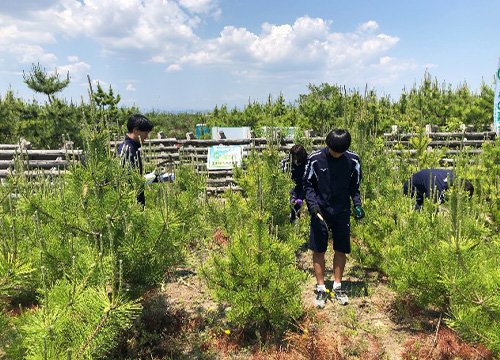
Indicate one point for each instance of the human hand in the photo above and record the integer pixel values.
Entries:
(316, 211)
(358, 213)
(150, 178)
(166, 177)
(297, 202)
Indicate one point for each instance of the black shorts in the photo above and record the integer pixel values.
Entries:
(341, 233)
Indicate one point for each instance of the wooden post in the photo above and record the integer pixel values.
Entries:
(68, 145)
(24, 144)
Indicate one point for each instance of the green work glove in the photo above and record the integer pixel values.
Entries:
(358, 213)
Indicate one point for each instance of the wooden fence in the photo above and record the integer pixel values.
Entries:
(169, 153)
(36, 162)
(454, 143)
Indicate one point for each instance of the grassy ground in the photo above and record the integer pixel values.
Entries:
(181, 321)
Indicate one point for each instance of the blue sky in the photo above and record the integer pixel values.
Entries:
(176, 55)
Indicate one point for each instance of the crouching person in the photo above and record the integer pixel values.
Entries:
(432, 184)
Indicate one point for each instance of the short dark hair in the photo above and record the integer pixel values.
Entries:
(298, 153)
(467, 186)
(139, 122)
(338, 140)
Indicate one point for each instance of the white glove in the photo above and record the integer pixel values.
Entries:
(166, 177)
(150, 177)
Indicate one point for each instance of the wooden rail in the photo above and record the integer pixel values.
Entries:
(485, 135)
(169, 153)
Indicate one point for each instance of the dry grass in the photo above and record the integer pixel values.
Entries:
(443, 345)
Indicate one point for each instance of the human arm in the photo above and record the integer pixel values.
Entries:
(284, 164)
(309, 183)
(354, 190)
(355, 183)
(297, 175)
(153, 177)
(130, 155)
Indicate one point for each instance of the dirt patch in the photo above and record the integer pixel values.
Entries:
(185, 289)
(182, 321)
(365, 325)
(443, 345)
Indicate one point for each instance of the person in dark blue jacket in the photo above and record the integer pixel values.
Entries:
(432, 184)
(331, 180)
(298, 159)
(138, 127)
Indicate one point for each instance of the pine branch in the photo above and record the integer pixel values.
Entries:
(68, 226)
(435, 337)
(96, 331)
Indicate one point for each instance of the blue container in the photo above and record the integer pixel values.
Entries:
(200, 130)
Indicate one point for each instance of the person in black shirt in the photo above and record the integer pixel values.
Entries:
(432, 183)
(298, 157)
(138, 127)
(331, 180)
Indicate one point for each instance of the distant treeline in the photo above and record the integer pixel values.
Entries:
(323, 107)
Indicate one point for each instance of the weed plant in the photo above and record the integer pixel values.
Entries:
(81, 250)
(267, 187)
(444, 257)
(255, 275)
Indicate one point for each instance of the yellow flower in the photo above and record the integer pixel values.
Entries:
(306, 331)
(327, 291)
(227, 331)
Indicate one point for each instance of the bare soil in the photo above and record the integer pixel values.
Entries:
(188, 324)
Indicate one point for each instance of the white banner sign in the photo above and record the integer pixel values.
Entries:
(224, 157)
(496, 110)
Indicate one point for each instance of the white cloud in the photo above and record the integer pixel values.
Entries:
(159, 30)
(30, 54)
(159, 59)
(76, 69)
(368, 26)
(104, 85)
(199, 6)
(25, 6)
(125, 24)
(388, 69)
(130, 87)
(23, 40)
(165, 32)
(174, 67)
(11, 32)
(308, 43)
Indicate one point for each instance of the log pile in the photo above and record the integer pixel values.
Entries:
(168, 153)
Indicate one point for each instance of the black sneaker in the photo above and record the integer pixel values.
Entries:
(341, 296)
(320, 299)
